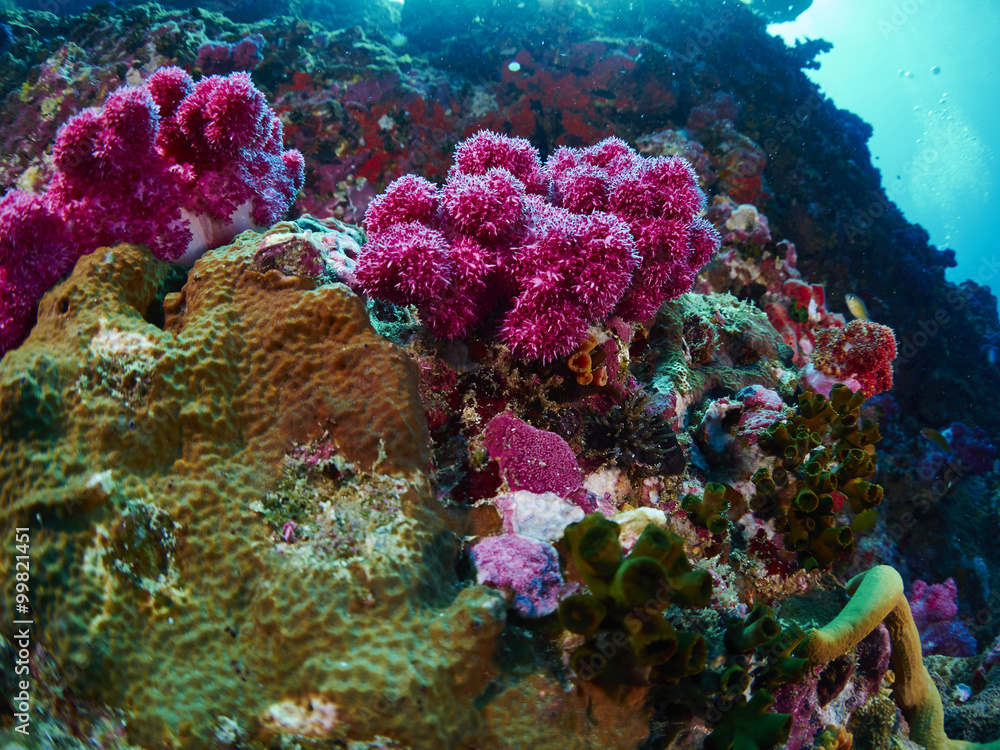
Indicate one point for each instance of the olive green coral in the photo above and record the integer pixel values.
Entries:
(749, 726)
(825, 451)
(710, 510)
(628, 597)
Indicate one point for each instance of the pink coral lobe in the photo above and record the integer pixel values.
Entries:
(469, 297)
(487, 150)
(612, 155)
(488, 207)
(406, 264)
(34, 253)
(606, 260)
(543, 326)
(409, 198)
(168, 87)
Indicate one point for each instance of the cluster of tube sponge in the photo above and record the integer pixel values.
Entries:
(628, 594)
(825, 454)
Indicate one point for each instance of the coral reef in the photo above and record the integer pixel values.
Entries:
(567, 447)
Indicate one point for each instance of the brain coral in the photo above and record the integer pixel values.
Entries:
(156, 430)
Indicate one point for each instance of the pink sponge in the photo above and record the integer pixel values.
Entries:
(531, 459)
(526, 567)
(934, 608)
(179, 167)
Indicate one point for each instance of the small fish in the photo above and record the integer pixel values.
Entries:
(857, 306)
(937, 438)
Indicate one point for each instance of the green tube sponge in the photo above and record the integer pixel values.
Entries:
(691, 589)
(660, 544)
(870, 430)
(688, 659)
(765, 484)
(856, 463)
(640, 582)
(877, 596)
(844, 400)
(777, 437)
(816, 411)
(758, 628)
(748, 726)
(581, 613)
(596, 550)
(653, 637)
(832, 544)
(709, 511)
(806, 501)
(587, 662)
(863, 495)
(734, 680)
(782, 665)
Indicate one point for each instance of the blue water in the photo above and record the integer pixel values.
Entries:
(926, 75)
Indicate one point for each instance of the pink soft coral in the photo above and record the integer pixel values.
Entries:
(617, 235)
(34, 253)
(179, 167)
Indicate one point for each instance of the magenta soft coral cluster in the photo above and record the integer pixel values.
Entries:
(595, 233)
(934, 608)
(176, 166)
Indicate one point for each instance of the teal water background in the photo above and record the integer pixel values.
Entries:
(926, 75)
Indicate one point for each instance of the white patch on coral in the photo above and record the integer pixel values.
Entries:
(744, 218)
(227, 731)
(208, 233)
(312, 716)
(483, 103)
(386, 123)
(609, 484)
(632, 523)
(128, 346)
(543, 517)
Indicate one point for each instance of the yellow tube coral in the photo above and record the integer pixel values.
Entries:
(877, 596)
